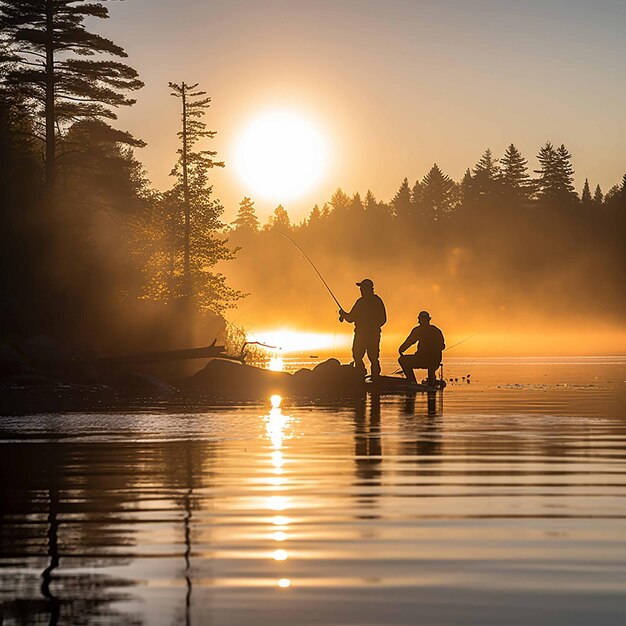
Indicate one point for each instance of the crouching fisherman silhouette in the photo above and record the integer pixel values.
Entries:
(430, 345)
(368, 316)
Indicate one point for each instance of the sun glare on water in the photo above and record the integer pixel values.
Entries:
(280, 155)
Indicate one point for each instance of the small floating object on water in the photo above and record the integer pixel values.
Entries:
(313, 356)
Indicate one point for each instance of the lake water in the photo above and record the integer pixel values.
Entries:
(501, 502)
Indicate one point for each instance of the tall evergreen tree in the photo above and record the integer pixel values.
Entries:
(465, 188)
(439, 194)
(246, 216)
(598, 196)
(314, 216)
(555, 185)
(279, 220)
(191, 162)
(370, 203)
(514, 174)
(566, 170)
(356, 207)
(485, 175)
(340, 202)
(416, 195)
(402, 203)
(197, 212)
(49, 42)
(585, 199)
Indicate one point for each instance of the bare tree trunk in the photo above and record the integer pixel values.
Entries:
(51, 168)
(187, 251)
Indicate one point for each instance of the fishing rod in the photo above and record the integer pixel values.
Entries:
(306, 256)
(463, 340)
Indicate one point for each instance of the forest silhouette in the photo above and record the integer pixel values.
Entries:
(95, 256)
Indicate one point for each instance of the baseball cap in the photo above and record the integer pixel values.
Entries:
(366, 282)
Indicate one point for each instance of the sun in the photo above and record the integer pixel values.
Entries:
(281, 155)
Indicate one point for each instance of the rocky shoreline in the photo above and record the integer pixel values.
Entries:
(41, 375)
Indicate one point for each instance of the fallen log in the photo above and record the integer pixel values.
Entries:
(207, 352)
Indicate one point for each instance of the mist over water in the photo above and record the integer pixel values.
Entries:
(552, 312)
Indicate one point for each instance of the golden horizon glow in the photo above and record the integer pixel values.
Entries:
(276, 364)
(280, 155)
(291, 341)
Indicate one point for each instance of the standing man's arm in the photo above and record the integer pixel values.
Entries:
(348, 315)
(383, 313)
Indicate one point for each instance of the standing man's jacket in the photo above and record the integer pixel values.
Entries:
(368, 315)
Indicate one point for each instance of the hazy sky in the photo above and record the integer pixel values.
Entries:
(396, 85)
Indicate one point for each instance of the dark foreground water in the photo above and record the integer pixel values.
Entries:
(504, 502)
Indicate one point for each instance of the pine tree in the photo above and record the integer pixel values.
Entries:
(340, 202)
(314, 216)
(193, 108)
(401, 202)
(598, 196)
(439, 194)
(370, 204)
(49, 42)
(279, 220)
(555, 184)
(585, 199)
(566, 170)
(196, 213)
(246, 217)
(485, 175)
(465, 188)
(356, 207)
(514, 174)
(416, 194)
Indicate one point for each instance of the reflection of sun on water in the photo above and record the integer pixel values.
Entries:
(275, 426)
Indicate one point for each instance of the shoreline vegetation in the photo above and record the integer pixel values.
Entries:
(97, 262)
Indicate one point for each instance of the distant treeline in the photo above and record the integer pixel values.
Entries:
(501, 238)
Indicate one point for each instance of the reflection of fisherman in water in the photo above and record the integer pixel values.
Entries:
(430, 345)
(368, 316)
(421, 429)
(368, 453)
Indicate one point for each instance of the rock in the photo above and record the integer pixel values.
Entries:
(234, 378)
(328, 378)
(327, 367)
(11, 362)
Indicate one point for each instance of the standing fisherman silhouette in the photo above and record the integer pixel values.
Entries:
(368, 316)
(430, 345)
